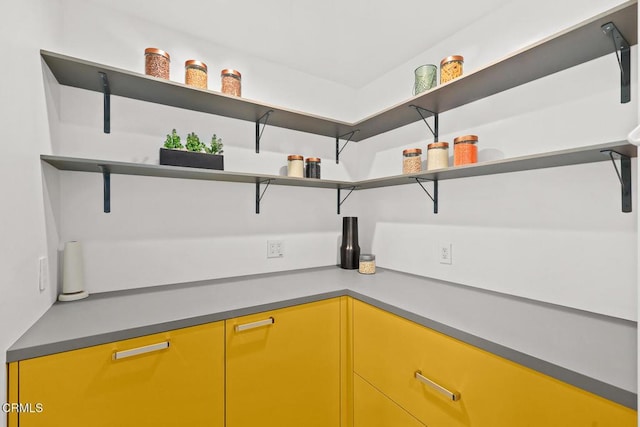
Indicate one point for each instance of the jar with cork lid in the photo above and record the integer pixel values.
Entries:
(411, 160)
(231, 82)
(437, 155)
(195, 74)
(465, 150)
(295, 166)
(451, 68)
(156, 63)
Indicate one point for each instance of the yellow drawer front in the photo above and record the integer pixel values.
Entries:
(493, 392)
(182, 385)
(373, 409)
(283, 367)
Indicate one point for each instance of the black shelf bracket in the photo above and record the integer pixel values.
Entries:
(259, 131)
(349, 135)
(107, 101)
(623, 53)
(106, 187)
(259, 195)
(434, 129)
(624, 175)
(341, 201)
(433, 198)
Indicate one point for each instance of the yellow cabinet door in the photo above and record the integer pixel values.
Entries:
(132, 383)
(283, 367)
(401, 358)
(373, 409)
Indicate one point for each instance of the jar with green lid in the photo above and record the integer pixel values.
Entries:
(195, 74)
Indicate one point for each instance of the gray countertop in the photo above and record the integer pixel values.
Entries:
(594, 352)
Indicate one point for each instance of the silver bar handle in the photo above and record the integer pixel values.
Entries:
(258, 324)
(452, 395)
(140, 350)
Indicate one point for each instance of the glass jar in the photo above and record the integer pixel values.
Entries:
(367, 264)
(437, 155)
(465, 150)
(156, 63)
(450, 68)
(313, 167)
(412, 160)
(425, 78)
(295, 166)
(195, 74)
(231, 82)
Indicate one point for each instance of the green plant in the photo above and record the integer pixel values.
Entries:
(194, 144)
(173, 141)
(216, 145)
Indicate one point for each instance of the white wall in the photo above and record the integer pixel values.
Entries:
(555, 235)
(27, 232)
(165, 230)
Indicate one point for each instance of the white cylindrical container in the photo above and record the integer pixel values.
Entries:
(72, 273)
(295, 166)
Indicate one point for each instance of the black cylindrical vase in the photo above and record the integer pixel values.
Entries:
(349, 250)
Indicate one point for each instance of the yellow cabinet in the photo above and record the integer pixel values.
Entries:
(445, 382)
(373, 409)
(172, 379)
(283, 367)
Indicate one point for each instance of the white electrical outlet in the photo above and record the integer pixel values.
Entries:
(275, 249)
(43, 273)
(445, 253)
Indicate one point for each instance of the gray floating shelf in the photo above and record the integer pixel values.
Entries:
(575, 156)
(573, 46)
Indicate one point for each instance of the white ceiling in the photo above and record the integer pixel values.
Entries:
(346, 41)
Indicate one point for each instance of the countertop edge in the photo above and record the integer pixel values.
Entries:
(592, 385)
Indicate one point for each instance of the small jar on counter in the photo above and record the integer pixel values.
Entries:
(156, 63)
(437, 155)
(411, 160)
(465, 150)
(367, 264)
(313, 167)
(195, 74)
(451, 68)
(295, 166)
(231, 82)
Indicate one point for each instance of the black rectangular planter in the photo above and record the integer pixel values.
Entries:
(191, 159)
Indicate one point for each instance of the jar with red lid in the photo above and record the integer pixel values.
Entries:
(195, 74)
(156, 63)
(465, 150)
(231, 82)
(312, 168)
